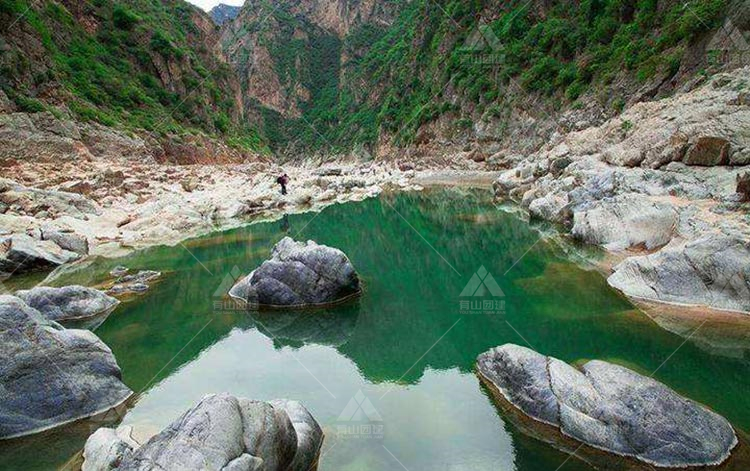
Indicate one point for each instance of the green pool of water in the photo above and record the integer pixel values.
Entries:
(390, 375)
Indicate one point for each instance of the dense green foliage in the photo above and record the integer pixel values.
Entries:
(463, 58)
(122, 73)
(431, 48)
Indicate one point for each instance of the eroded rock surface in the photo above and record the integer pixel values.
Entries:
(299, 274)
(665, 176)
(609, 407)
(69, 302)
(713, 271)
(21, 253)
(50, 375)
(221, 432)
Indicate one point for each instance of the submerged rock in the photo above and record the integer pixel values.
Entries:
(221, 432)
(50, 375)
(299, 274)
(609, 407)
(119, 271)
(132, 284)
(69, 302)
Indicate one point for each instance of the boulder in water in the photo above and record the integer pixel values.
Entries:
(222, 432)
(299, 274)
(50, 375)
(609, 407)
(713, 271)
(69, 302)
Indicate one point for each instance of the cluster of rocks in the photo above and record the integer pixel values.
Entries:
(110, 207)
(608, 407)
(28, 245)
(299, 275)
(667, 180)
(221, 432)
(51, 375)
(136, 283)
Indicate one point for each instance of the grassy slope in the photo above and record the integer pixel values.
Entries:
(574, 47)
(109, 76)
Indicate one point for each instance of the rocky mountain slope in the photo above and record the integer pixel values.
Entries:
(154, 70)
(290, 57)
(222, 13)
(336, 75)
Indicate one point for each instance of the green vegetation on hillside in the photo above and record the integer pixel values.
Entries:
(140, 64)
(402, 79)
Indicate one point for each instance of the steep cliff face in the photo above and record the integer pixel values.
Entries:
(148, 67)
(222, 13)
(290, 57)
(338, 74)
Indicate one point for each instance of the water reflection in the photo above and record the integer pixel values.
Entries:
(403, 344)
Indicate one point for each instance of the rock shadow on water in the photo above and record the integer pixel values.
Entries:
(722, 333)
(331, 326)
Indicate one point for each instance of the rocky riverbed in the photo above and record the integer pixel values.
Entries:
(109, 209)
(664, 185)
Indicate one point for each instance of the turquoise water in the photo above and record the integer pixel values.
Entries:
(404, 344)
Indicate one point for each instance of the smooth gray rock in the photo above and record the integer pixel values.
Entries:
(21, 253)
(107, 448)
(625, 221)
(309, 433)
(299, 274)
(50, 375)
(609, 407)
(713, 271)
(221, 432)
(69, 302)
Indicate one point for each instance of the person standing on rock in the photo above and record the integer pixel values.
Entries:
(283, 181)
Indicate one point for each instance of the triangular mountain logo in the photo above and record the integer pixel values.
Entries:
(482, 39)
(230, 279)
(359, 408)
(481, 283)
